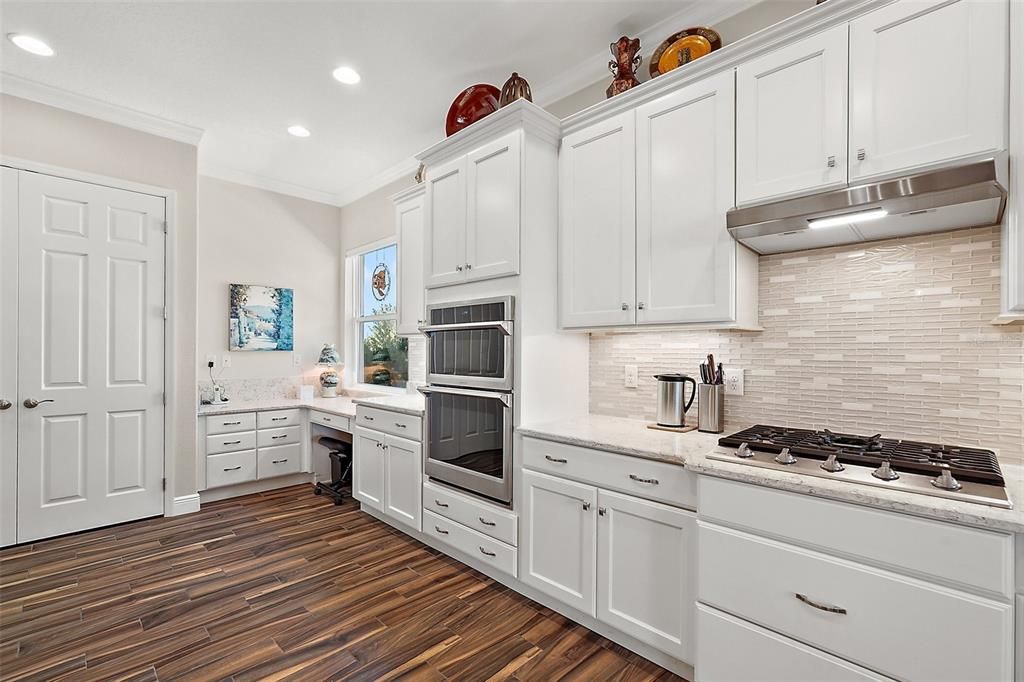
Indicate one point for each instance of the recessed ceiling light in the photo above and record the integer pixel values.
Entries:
(346, 75)
(298, 131)
(31, 44)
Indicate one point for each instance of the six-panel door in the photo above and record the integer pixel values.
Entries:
(368, 468)
(409, 224)
(645, 556)
(914, 99)
(685, 257)
(91, 319)
(597, 225)
(791, 119)
(493, 192)
(557, 542)
(445, 243)
(403, 481)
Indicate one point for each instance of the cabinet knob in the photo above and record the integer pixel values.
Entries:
(640, 305)
(459, 268)
(625, 306)
(469, 266)
(5, 404)
(861, 154)
(602, 511)
(831, 163)
(586, 506)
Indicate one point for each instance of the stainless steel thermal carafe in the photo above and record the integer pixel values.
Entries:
(672, 405)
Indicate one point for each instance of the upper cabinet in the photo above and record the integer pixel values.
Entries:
(493, 189)
(915, 99)
(445, 233)
(409, 219)
(791, 119)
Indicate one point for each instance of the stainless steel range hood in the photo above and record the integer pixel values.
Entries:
(971, 194)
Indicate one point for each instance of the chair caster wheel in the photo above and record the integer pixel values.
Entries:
(317, 491)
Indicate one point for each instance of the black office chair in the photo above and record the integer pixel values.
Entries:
(340, 453)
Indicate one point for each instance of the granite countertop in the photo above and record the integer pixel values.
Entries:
(409, 403)
(343, 405)
(632, 437)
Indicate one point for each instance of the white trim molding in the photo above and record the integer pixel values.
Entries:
(404, 168)
(185, 504)
(25, 88)
(248, 179)
(1012, 295)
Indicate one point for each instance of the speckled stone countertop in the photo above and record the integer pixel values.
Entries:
(409, 403)
(632, 437)
(342, 405)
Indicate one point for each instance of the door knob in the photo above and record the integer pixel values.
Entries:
(5, 404)
(32, 403)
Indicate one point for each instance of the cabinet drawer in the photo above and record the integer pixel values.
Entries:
(277, 418)
(234, 467)
(230, 442)
(766, 656)
(978, 558)
(500, 524)
(230, 423)
(395, 423)
(795, 592)
(334, 421)
(279, 460)
(669, 483)
(284, 436)
(477, 545)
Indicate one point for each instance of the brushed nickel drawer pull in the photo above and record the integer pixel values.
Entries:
(440, 530)
(232, 442)
(439, 503)
(400, 425)
(556, 460)
(278, 461)
(367, 417)
(821, 607)
(232, 423)
(279, 419)
(485, 521)
(636, 478)
(278, 437)
(326, 419)
(486, 553)
(234, 468)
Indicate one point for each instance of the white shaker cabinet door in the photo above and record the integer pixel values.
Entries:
(685, 257)
(791, 119)
(446, 223)
(645, 581)
(409, 225)
(558, 539)
(597, 225)
(368, 468)
(404, 481)
(493, 188)
(928, 83)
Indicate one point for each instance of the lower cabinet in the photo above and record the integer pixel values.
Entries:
(387, 475)
(625, 560)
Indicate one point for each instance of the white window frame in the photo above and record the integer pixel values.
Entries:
(352, 375)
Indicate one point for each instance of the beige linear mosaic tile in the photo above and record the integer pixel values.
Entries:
(892, 337)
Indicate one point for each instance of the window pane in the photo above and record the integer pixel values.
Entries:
(380, 281)
(385, 354)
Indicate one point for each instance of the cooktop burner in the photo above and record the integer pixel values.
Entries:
(956, 472)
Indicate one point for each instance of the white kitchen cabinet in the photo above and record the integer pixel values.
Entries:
(644, 552)
(368, 468)
(685, 257)
(445, 238)
(597, 225)
(403, 480)
(791, 119)
(409, 217)
(927, 84)
(558, 539)
(473, 214)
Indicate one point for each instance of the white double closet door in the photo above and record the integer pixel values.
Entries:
(82, 311)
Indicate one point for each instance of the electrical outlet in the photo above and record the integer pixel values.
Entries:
(226, 360)
(630, 376)
(297, 359)
(733, 380)
(211, 361)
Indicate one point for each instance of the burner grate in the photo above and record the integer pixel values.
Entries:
(967, 464)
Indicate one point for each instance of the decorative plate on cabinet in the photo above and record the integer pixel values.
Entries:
(682, 47)
(470, 106)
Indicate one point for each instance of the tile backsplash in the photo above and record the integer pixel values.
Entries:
(892, 337)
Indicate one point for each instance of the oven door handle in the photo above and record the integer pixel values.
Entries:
(503, 325)
(505, 398)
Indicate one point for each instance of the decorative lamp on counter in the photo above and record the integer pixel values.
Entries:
(329, 377)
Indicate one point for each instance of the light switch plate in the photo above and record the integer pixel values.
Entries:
(630, 378)
(733, 380)
(226, 360)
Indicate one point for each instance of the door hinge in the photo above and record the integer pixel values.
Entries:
(163, 484)
(166, 314)
(165, 227)
(163, 397)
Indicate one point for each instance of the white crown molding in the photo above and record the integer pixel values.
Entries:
(593, 69)
(408, 193)
(241, 177)
(404, 168)
(25, 88)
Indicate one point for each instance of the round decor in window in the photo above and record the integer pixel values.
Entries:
(381, 282)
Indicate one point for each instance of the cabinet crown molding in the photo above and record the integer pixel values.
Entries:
(812, 20)
(408, 193)
(519, 114)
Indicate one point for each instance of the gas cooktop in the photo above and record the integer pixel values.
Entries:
(954, 472)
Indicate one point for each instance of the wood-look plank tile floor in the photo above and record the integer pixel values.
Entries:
(281, 585)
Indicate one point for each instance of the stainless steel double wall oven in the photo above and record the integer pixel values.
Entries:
(469, 394)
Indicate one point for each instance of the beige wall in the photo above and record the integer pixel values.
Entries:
(44, 134)
(253, 236)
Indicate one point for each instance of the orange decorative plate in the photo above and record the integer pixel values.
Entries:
(682, 47)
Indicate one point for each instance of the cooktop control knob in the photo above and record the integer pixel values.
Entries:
(832, 464)
(945, 481)
(885, 472)
(785, 457)
(744, 451)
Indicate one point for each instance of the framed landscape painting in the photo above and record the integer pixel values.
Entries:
(261, 318)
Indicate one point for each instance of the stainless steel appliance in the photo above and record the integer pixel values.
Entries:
(469, 396)
(711, 408)
(959, 473)
(672, 403)
(970, 194)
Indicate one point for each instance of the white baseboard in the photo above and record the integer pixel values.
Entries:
(250, 487)
(186, 504)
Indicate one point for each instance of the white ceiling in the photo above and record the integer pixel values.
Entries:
(244, 71)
